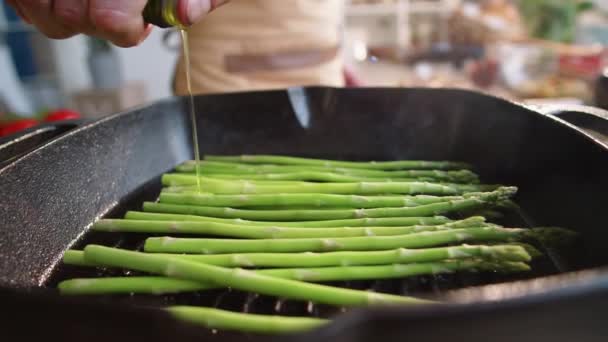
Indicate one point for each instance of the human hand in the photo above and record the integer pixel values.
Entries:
(118, 21)
(351, 79)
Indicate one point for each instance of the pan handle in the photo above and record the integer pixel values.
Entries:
(592, 120)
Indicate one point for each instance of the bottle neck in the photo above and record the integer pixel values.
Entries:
(162, 13)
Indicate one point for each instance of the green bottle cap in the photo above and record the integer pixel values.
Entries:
(162, 13)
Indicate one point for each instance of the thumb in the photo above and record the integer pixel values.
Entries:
(193, 11)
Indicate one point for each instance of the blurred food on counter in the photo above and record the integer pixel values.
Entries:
(483, 73)
(11, 123)
(61, 115)
(485, 22)
(12, 127)
(553, 20)
(522, 50)
(546, 69)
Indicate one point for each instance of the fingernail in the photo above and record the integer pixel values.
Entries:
(197, 9)
(147, 30)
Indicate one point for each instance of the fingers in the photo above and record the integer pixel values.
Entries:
(15, 6)
(351, 79)
(119, 21)
(74, 14)
(40, 13)
(193, 11)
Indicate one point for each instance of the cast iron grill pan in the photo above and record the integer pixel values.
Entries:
(50, 197)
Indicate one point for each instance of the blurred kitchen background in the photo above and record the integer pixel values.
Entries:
(528, 50)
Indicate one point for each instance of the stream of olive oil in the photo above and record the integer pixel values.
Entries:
(197, 156)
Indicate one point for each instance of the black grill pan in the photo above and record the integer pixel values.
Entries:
(50, 197)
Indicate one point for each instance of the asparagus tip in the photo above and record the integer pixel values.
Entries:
(497, 194)
(508, 252)
(509, 266)
(507, 192)
(551, 236)
(532, 251)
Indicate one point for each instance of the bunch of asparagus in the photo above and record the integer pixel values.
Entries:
(279, 225)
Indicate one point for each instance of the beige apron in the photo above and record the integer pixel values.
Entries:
(265, 44)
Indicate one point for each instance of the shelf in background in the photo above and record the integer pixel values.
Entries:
(411, 7)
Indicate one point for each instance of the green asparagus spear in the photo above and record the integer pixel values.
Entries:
(240, 279)
(125, 285)
(182, 182)
(483, 201)
(304, 200)
(309, 215)
(160, 285)
(531, 250)
(363, 222)
(220, 168)
(311, 176)
(254, 232)
(381, 165)
(367, 243)
(325, 176)
(244, 322)
(273, 187)
(321, 274)
(308, 259)
(226, 187)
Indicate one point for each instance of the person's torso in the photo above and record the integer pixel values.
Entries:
(259, 44)
(260, 26)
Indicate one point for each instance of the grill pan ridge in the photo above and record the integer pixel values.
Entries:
(50, 197)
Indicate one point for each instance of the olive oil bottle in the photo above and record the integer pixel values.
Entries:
(162, 13)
